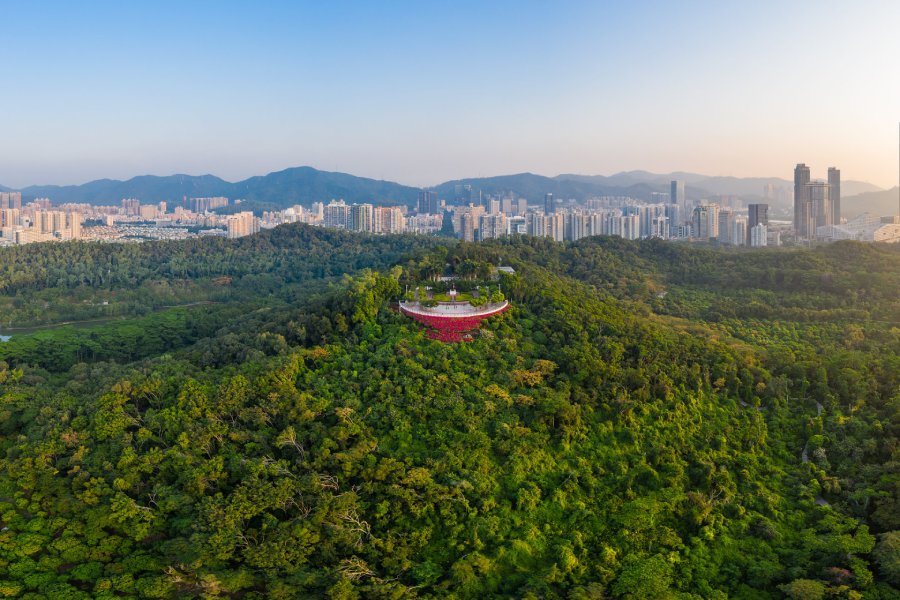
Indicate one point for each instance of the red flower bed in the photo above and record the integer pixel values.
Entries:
(452, 328)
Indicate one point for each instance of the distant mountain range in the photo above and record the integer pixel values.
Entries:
(301, 185)
(705, 185)
(304, 185)
(882, 203)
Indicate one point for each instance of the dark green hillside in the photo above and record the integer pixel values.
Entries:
(647, 421)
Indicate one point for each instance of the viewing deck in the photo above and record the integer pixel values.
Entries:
(452, 321)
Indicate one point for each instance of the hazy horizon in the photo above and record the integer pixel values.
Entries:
(437, 183)
(424, 94)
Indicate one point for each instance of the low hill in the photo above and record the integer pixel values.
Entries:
(883, 203)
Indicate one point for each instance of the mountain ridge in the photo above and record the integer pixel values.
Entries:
(881, 203)
(305, 184)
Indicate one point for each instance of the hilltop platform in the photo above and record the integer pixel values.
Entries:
(452, 321)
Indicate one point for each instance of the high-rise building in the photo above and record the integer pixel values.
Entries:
(517, 225)
(816, 203)
(336, 215)
(75, 224)
(673, 214)
(739, 231)
(556, 227)
(834, 193)
(521, 207)
(9, 217)
(202, 205)
(676, 195)
(388, 219)
(467, 227)
(631, 227)
(536, 224)
(362, 217)
(466, 194)
(801, 200)
(11, 200)
(818, 195)
(576, 224)
(148, 211)
(242, 224)
(706, 222)
(756, 214)
(726, 227)
(492, 226)
(759, 236)
(549, 204)
(660, 227)
(131, 207)
(428, 203)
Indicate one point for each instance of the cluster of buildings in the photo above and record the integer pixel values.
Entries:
(35, 222)
(471, 216)
(817, 213)
(667, 216)
(129, 221)
(485, 216)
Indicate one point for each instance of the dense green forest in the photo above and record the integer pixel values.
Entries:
(649, 420)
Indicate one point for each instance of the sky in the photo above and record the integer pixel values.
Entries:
(421, 92)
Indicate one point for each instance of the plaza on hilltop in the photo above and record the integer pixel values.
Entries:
(454, 316)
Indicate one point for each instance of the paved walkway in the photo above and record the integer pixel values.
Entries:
(453, 309)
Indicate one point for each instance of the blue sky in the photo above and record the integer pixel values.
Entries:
(421, 92)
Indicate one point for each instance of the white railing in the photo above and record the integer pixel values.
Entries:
(453, 309)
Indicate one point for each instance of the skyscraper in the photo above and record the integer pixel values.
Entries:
(467, 227)
(816, 203)
(801, 200)
(818, 194)
(549, 204)
(428, 203)
(674, 213)
(676, 195)
(834, 183)
(757, 214)
(726, 227)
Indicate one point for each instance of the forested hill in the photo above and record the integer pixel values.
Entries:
(648, 421)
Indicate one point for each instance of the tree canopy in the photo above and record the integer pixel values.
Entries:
(646, 421)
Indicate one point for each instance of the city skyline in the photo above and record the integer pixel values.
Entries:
(424, 94)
